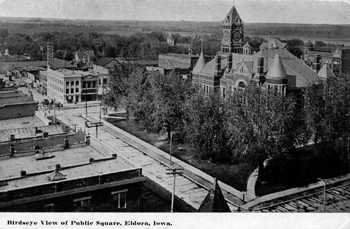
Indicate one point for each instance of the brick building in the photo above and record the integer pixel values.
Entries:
(69, 86)
(234, 67)
(337, 59)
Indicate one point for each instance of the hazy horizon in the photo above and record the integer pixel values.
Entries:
(251, 11)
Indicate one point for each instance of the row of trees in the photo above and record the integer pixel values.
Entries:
(137, 46)
(250, 126)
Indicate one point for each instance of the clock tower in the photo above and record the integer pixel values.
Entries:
(232, 27)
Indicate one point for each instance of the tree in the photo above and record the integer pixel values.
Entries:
(295, 46)
(258, 124)
(205, 126)
(118, 86)
(170, 95)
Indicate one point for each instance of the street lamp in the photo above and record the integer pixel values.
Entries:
(324, 193)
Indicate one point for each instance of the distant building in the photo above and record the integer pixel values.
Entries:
(106, 63)
(84, 59)
(273, 44)
(180, 63)
(338, 59)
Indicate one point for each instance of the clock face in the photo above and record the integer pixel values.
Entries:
(237, 36)
(226, 36)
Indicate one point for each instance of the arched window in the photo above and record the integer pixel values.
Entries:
(241, 84)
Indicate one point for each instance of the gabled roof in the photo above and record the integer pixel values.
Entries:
(56, 176)
(214, 201)
(104, 61)
(210, 66)
(250, 65)
(232, 17)
(247, 45)
(200, 64)
(273, 44)
(91, 53)
(325, 72)
(277, 69)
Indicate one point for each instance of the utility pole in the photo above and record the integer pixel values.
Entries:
(96, 130)
(86, 102)
(171, 141)
(324, 193)
(174, 171)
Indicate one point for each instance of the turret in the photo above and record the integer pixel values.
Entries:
(276, 77)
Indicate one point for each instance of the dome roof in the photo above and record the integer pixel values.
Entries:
(200, 64)
(277, 70)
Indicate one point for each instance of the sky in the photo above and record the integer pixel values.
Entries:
(251, 11)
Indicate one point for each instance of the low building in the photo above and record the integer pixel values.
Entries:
(14, 104)
(56, 170)
(105, 63)
(46, 165)
(180, 63)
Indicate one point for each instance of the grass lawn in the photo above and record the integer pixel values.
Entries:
(233, 175)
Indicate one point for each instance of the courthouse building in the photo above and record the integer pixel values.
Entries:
(235, 66)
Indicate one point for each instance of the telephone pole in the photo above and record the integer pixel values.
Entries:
(174, 171)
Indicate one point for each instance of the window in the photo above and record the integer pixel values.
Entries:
(67, 83)
(72, 90)
(82, 202)
(76, 89)
(77, 83)
(72, 83)
(99, 81)
(119, 198)
(105, 81)
(49, 207)
(67, 91)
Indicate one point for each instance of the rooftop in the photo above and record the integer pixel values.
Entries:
(25, 122)
(105, 60)
(74, 164)
(13, 97)
(65, 73)
(28, 132)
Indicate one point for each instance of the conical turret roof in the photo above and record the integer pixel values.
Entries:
(200, 64)
(277, 69)
(214, 201)
(325, 72)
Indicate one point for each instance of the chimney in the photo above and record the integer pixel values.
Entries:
(114, 155)
(45, 135)
(260, 69)
(12, 150)
(23, 173)
(317, 63)
(58, 167)
(87, 140)
(259, 75)
(12, 137)
(217, 71)
(229, 62)
(91, 160)
(66, 142)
